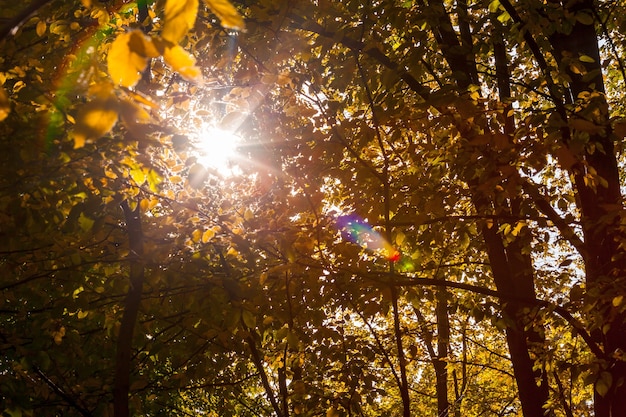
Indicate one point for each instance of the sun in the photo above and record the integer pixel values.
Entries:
(217, 149)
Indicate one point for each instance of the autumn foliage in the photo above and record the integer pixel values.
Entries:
(423, 216)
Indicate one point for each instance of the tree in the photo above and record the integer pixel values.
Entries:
(427, 215)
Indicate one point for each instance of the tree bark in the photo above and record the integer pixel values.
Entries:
(600, 204)
(441, 363)
(123, 356)
(512, 269)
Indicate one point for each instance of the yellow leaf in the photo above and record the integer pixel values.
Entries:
(5, 105)
(182, 62)
(617, 301)
(180, 16)
(94, 120)
(207, 235)
(82, 314)
(226, 12)
(400, 238)
(196, 235)
(138, 175)
(58, 335)
(128, 57)
(41, 28)
(332, 412)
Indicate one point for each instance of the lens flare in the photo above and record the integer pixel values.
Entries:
(356, 230)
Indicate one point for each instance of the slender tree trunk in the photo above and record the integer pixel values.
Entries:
(512, 270)
(131, 309)
(601, 204)
(441, 363)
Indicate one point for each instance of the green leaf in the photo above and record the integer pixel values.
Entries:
(85, 222)
(249, 319)
(586, 58)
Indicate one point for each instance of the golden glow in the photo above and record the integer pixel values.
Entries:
(217, 149)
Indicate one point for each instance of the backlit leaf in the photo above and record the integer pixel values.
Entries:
(138, 175)
(154, 179)
(400, 238)
(94, 120)
(226, 12)
(617, 301)
(85, 222)
(182, 62)
(5, 105)
(180, 16)
(586, 58)
(41, 28)
(207, 235)
(128, 57)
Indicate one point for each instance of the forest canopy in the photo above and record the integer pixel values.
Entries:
(312, 208)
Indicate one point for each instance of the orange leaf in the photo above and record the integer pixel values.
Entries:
(5, 105)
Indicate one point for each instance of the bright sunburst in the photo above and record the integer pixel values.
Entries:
(217, 149)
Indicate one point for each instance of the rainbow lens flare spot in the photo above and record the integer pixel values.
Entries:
(356, 230)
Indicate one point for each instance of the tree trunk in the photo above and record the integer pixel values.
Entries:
(600, 204)
(441, 363)
(512, 269)
(121, 386)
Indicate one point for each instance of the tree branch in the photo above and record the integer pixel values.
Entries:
(559, 310)
(83, 411)
(14, 24)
